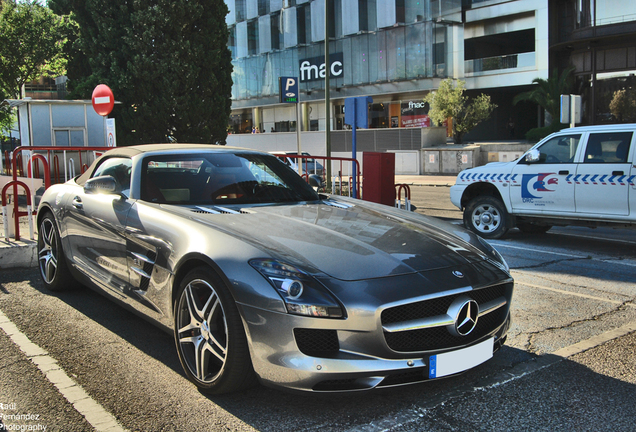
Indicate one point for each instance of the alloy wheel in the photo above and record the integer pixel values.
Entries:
(202, 332)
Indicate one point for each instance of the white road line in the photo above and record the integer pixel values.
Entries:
(517, 282)
(595, 238)
(505, 245)
(94, 413)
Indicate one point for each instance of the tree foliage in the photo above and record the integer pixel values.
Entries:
(31, 46)
(167, 62)
(623, 105)
(449, 101)
(547, 93)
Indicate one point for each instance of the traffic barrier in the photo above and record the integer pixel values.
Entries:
(14, 166)
(16, 210)
(407, 196)
(355, 168)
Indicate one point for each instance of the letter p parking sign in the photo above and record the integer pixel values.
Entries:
(288, 89)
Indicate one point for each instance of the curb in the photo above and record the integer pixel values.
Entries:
(21, 254)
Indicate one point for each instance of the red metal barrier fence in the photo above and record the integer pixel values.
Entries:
(14, 167)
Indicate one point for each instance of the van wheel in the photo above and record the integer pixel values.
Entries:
(530, 228)
(487, 217)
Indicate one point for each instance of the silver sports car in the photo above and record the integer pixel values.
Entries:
(259, 277)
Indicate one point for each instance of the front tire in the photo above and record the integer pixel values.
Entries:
(209, 335)
(487, 217)
(52, 261)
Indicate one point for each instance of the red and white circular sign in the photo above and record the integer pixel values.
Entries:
(103, 100)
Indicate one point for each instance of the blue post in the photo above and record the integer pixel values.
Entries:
(356, 113)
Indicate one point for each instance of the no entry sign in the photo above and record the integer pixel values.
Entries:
(103, 100)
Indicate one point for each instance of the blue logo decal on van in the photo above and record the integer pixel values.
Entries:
(533, 183)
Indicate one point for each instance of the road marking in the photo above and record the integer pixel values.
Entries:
(92, 411)
(505, 245)
(618, 302)
(594, 238)
(503, 377)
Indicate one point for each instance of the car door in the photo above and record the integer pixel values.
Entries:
(95, 223)
(545, 186)
(602, 177)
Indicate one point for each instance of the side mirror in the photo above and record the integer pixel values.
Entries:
(102, 184)
(532, 156)
(315, 181)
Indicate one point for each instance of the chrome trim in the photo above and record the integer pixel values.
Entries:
(441, 320)
(337, 204)
(492, 306)
(141, 257)
(140, 272)
(432, 296)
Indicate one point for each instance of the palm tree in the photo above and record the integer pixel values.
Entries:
(547, 93)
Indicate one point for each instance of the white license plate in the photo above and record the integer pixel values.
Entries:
(458, 361)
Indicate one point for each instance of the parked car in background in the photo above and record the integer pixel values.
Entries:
(579, 176)
(258, 276)
(309, 164)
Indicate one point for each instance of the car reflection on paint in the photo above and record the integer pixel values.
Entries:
(260, 278)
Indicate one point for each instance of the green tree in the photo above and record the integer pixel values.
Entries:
(166, 61)
(449, 101)
(31, 41)
(623, 105)
(547, 94)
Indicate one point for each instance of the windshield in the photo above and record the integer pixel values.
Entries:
(221, 178)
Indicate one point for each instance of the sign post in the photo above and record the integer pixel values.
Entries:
(103, 102)
(356, 113)
(288, 93)
(570, 109)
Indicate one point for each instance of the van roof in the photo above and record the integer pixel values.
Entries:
(607, 127)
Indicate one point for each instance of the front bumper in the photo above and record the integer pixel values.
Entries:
(456, 192)
(312, 354)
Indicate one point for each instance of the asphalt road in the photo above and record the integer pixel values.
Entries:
(569, 363)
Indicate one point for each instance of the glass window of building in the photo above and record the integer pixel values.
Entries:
(232, 41)
(303, 24)
(263, 7)
(277, 36)
(239, 10)
(367, 15)
(252, 37)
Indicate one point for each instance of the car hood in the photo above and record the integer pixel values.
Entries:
(359, 242)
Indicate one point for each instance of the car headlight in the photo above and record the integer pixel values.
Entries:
(494, 254)
(303, 295)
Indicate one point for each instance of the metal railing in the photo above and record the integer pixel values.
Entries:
(407, 196)
(14, 167)
(337, 179)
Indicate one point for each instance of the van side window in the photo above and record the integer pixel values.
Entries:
(560, 149)
(608, 147)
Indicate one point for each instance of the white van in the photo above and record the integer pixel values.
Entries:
(579, 176)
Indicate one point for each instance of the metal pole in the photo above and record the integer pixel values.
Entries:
(327, 101)
(353, 189)
(300, 165)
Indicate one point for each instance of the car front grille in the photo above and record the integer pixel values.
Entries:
(436, 338)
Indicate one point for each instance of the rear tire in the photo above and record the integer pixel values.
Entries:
(52, 261)
(487, 217)
(209, 335)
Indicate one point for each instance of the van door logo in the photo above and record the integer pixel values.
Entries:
(532, 183)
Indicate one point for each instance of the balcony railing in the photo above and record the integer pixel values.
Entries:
(512, 61)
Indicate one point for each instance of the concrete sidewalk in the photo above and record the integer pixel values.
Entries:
(426, 180)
